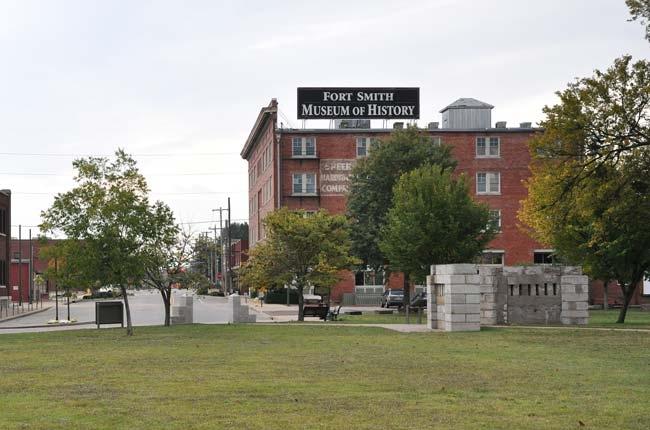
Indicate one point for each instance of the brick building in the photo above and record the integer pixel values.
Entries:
(22, 263)
(5, 241)
(308, 169)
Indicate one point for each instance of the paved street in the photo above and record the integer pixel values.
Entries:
(146, 309)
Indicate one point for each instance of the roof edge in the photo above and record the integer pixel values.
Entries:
(264, 114)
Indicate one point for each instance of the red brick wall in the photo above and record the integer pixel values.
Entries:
(614, 294)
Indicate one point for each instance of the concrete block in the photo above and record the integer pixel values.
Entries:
(575, 297)
(487, 298)
(571, 270)
(533, 270)
(464, 289)
(472, 279)
(489, 314)
(472, 298)
(465, 327)
(455, 298)
(574, 321)
(475, 318)
(430, 281)
(513, 270)
(456, 269)
(574, 279)
(465, 309)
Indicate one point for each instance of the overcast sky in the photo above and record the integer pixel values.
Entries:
(188, 78)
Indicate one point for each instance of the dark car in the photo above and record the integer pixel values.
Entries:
(392, 298)
(419, 301)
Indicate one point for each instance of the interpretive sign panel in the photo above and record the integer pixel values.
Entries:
(359, 103)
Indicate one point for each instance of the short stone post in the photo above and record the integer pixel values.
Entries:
(182, 311)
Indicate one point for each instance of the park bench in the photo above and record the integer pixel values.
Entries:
(316, 310)
(333, 315)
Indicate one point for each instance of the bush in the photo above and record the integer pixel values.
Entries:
(279, 297)
(202, 291)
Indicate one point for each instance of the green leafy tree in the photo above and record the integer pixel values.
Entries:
(433, 219)
(640, 11)
(206, 251)
(108, 215)
(299, 250)
(168, 266)
(589, 193)
(238, 230)
(371, 188)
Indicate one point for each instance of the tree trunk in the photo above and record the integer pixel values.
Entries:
(605, 296)
(129, 327)
(166, 297)
(407, 295)
(301, 305)
(628, 292)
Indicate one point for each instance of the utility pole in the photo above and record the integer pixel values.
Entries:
(31, 269)
(221, 247)
(20, 265)
(228, 253)
(56, 287)
(214, 271)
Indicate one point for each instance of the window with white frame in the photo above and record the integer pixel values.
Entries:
(303, 147)
(495, 218)
(488, 147)
(304, 183)
(363, 146)
(488, 183)
(437, 140)
(492, 257)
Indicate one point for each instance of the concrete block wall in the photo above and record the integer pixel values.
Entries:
(533, 295)
(453, 294)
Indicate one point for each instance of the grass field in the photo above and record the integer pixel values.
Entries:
(289, 376)
(597, 318)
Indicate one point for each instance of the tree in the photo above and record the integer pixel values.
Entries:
(108, 216)
(589, 193)
(206, 253)
(371, 188)
(300, 251)
(433, 219)
(238, 230)
(640, 11)
(168, 266)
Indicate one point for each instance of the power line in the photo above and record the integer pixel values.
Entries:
(147, 175)
(162, 154)
(153, 193)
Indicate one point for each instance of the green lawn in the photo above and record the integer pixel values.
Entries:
(635, 318)
(597, 318)
(289, 376)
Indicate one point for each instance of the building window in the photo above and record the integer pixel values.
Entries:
(488, 147)
(492, 257)
(304, 147)
(543, 256)
(495, 218)
(304, 183)
(437, 140)
(363, 144)
(488, 183)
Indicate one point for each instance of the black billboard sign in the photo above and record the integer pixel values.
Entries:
(358, 103)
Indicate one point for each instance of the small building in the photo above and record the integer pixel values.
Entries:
(5, 241)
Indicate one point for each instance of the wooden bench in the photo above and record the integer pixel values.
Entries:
(320, 311)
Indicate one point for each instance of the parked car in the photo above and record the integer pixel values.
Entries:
(392, 298)
(419, 301)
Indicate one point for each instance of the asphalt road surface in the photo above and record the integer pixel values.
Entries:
(146, 309)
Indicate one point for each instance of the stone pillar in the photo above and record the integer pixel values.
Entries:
(458, 288)
(182, 311)
(239, 312)
(488, 287)
(574, 287)
(432, 303)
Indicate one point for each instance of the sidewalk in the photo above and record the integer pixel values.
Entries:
(24, 313)
(284, 313)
